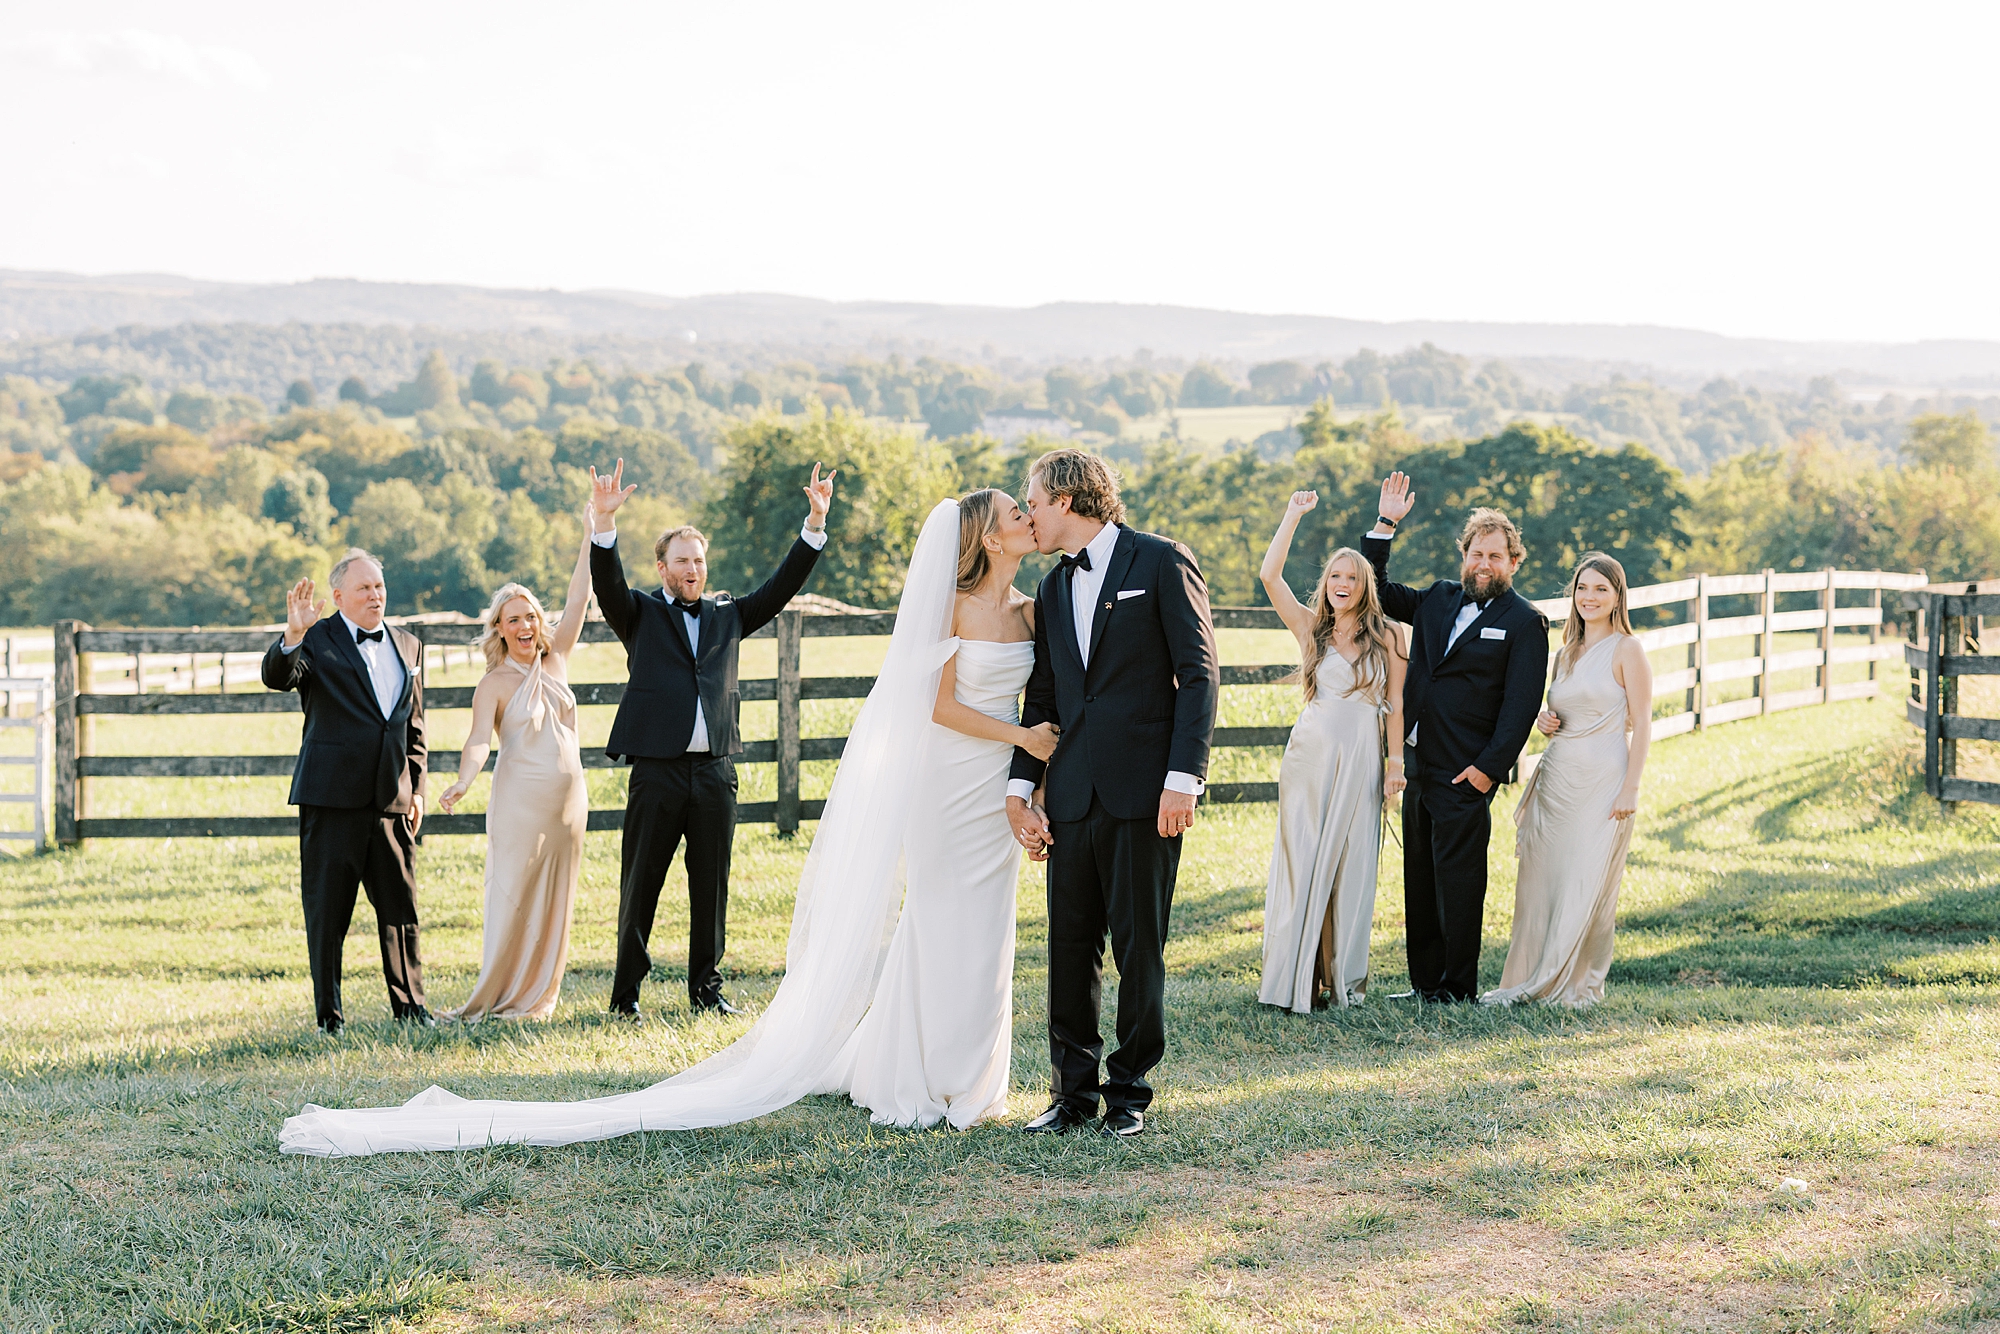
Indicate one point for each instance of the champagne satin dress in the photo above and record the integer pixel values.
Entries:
(534, 850)
(1320, 900)
(1572, 852)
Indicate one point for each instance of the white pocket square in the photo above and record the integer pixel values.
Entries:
(1492, 632)
(1124, 593)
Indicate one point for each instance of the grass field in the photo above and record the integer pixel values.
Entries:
(1806, 983)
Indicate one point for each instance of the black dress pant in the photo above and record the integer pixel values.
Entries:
(341, 850)
(1446, 827)
(1115, 875)
(691, 797)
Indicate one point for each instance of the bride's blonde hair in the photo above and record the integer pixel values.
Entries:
(492, 643)
(978, 517)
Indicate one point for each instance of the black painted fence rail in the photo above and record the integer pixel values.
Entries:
(76, 701)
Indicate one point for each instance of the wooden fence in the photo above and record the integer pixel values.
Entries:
(77, 701)
(37, 695)
(1942, 647)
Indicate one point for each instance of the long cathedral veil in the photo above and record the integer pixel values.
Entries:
(850, 894)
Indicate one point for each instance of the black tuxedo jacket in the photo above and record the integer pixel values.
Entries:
(350, 756)
(1147, 703)
(663, 678)
(1475, 703)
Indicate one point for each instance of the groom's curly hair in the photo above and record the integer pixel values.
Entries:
(1086, 479)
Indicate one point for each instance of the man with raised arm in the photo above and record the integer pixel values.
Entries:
(677, 725)
(359, 778)
(1479, 652)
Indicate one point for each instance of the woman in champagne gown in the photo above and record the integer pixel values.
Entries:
(911, 808)
(535, 819)
(1574, 819)
(1319, 902)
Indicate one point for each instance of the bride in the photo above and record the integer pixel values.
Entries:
(898, 975)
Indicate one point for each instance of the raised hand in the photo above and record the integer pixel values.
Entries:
(606, 495)
(1300, 502)
(1041, 742)
(1397, 498)
(819, 495)
(301, 612)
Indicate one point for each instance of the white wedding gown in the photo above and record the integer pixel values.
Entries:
(938, 1042)
(907, 793)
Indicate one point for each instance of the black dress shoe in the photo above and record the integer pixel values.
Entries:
(419, 1018)
(1059, 1119)
(1122, 1123)
(627, 1014)
(715, 1004)
(332, 1028)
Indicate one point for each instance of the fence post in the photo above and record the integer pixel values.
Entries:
(1933, 693)
(1698, 656)
(1767, 606)
(1875, 629)
(789, 628)
(1826, 605)
(12, 669)
(68, 788)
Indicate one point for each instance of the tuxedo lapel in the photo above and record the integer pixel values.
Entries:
(1114, 575)
(678, 620)
(1064, 631)
(344, 645)
(1489, 614)
(1439, 630)
(410, 649)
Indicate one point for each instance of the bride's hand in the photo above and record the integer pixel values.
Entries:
(1548, 722)
(1041, 742)
(1393, 781)
(452, 795)
(1625, 805)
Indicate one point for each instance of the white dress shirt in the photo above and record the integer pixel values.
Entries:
(385, 666)
(698, 739)
(1084, 588)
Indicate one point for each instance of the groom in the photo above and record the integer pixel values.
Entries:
(677, 724)
(1478, 655)
(1125, 664)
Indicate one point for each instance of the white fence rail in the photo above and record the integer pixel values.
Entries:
(1699, 632)
(38, 696)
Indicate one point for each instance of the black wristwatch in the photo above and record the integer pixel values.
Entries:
(1383, 518)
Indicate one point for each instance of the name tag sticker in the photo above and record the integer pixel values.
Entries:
(1492, 632)
(1124, 593)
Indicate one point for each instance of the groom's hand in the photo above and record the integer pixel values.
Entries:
(1031, 828)
(1475, 776)
(1176, 812)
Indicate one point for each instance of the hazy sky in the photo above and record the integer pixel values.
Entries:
(1802, 170)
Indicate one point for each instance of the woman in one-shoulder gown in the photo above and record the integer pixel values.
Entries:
(1319, 902)
(536, 816)
(1574, 819)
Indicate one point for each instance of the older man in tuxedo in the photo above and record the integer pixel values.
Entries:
(359, 778)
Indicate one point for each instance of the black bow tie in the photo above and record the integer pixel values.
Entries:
(1080, 561)
(691, 608)
(367, 636)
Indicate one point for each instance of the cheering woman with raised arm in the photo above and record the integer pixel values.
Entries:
(1320, 900)
(535, 821)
